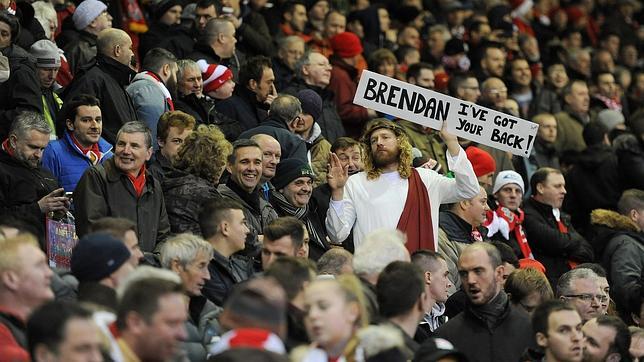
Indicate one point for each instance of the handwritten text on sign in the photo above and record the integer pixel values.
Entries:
(430, 109)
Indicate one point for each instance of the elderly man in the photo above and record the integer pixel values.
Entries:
(374, 198)
(26, 189)
(573, 118)
(580, 288)
(107, 78)
(289, 51)
(47, 65)
(490, 328)
(81, 146)
(24, 286)
(293, 183)
(314, 73)
(123, 187)
(553, 239)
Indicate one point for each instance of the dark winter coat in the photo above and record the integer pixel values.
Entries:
(79, 53)
(184, 196)
(549, 245)
(343, 85)
(21, 187)
(542, 155)
(244, 108)
(593, 183)
(174, 38)
(21, 92)
(205, 111)
(105, 191)
(330, 122)
(253, 34)
(224, 274)
(106, 80)
(205, 51)
(322, 196)
(504, 341)
(292, 146)
(201, 326)
(630, 155)
(619, 246)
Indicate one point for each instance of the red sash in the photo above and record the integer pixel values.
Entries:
(416, 218)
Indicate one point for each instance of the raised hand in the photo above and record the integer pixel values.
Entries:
(337, 176)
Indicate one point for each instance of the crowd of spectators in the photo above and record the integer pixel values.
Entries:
(230, 202)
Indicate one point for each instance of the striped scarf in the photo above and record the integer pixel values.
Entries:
(301, 213)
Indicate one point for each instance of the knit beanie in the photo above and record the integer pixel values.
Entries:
(46, 53)
(96, 256)
(160, 7)
(86, 12)
(508, 177)
(214, 75)
(481, 161)
(610, 118)
(346, 45)
(311, 103)
(289, 170)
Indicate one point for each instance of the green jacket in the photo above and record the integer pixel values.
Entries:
(569, 133)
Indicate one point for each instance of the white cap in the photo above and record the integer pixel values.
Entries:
(507, 177)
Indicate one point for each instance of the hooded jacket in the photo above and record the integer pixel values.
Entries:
(106, 79)
(619, 246)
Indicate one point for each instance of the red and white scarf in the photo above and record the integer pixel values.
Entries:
(515, 221)
(93, 153)
(164, 89)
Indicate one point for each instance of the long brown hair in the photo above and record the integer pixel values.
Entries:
(404, 158)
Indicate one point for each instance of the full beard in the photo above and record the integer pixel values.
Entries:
(383, 159)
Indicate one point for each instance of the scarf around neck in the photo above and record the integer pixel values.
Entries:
(301, 213)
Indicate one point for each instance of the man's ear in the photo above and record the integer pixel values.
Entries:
(70, 125)
(10, 279)
(498, 273)
(148, 154)
(223, 227)
(252, 85)
(542, 340)
(428, 278)
(160, 142)
(166, 70)
(175, 266)
(42, 353)
(13, 140)
(539, 188)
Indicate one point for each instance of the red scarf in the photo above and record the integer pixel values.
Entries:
(7, 147)
(564, 230)
(413, 221)
(163, 88)
(138, 181)
(515, 224)
(92, 152)
(476, 235)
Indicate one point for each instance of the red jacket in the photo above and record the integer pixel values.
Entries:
(343, 85)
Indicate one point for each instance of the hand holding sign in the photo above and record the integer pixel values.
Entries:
(432, 109)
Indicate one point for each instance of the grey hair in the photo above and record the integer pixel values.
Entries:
(285, 108)
(286, 41)
(333, 261)
(302, 62)
(146, 272)
(379, 249)
(29, 121)
(564, 284)
(136, 127)
(184, 248)
(442, 29)
(45, 14)
(184, 64)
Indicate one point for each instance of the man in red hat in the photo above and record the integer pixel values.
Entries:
(348, 62)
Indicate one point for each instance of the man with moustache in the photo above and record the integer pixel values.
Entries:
(553, 239)
(373, 199)
(124, 187)
(293, 183)
(152, 91)
(490, 328)
(113, 69)
(81, 146)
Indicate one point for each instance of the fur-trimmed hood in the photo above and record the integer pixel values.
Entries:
(612, 220)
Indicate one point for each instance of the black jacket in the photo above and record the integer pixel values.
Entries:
(174, 38)
(549, 245)
(81, 51)
(205, 111)
(593, 183)
(205, 51)
(105, 191)
(244, 108)
(224, 274)
(253, 34)
(542, 155)
(322, 196)
(21, 92)
(21, 187)
(329, 121)
(292, 146)
(504, 341)
(184, 196)
(106, 79)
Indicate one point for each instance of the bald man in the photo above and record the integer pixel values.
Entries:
(107, 78)
(494, 93)
(272, 153)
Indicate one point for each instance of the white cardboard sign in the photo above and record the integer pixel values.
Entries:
(430, 109)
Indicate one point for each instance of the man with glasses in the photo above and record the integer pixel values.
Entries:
(580, 289)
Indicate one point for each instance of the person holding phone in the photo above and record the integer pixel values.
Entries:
(27, 190)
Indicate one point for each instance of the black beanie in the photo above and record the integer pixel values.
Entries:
(96, 256)
(289, 170)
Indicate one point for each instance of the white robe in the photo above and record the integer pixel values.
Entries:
(377, 204)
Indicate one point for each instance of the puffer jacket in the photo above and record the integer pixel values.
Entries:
(224, 274)
(184, 196)
(202, 328)
(65, 161)
(619, 245)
